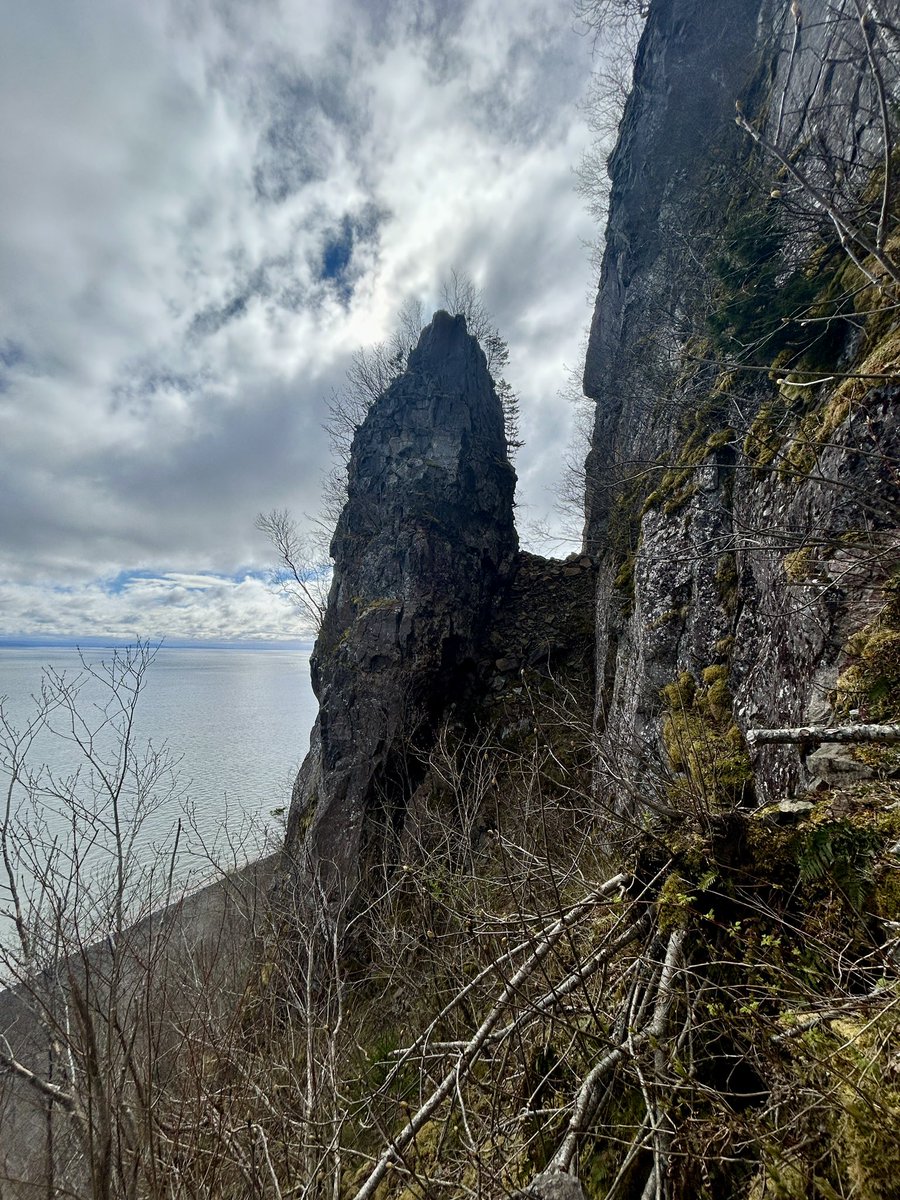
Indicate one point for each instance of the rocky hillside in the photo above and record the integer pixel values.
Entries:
(629, 914)
(742, 489)
(591, 888)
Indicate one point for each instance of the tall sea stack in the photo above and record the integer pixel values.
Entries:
(424, 546)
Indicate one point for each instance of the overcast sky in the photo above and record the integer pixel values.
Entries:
(205, 207)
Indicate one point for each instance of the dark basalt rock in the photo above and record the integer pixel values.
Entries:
(424, 545)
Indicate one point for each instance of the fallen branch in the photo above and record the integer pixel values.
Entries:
(544, 1004)
(482, 1035)
(824, 733)
(881, 996)
(589, 1092)
(422, 1041)
(8, 1062)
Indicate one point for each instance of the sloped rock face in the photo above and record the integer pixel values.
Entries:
(423, 547)
(743, 530)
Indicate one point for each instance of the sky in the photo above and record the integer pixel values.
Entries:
(207, 206)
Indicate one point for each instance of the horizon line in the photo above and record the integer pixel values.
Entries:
(94, 641)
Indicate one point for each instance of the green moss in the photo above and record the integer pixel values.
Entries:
(757, 303)
(602, 1156)
(824, 410)
(822, 301)
(722, 437)
(726, 383)
(763, 439)
(886, 893)
(380, 604)
(624, 580)
(718, 698)
(624, 531)
(682, 496)
(859, 1108)
(814, 432)
(304, 821)
(796, 564)
(671, 614)
(681, 693)
(782, 1180)
(870, 683)
(770, 848)
(724, 646)
(674, 903)
(702, 742)
(703, 433)
(654, 500)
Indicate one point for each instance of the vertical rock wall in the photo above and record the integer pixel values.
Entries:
(743, 529)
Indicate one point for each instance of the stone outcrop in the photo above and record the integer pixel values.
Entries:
(744, 527)
(740, 524)
(552, 1185)
(424, 546)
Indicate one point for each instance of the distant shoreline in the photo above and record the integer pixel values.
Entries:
(98, 643)
(216, 924)
(199, 911)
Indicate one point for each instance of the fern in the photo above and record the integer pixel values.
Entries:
(842, 853)
(817, 855)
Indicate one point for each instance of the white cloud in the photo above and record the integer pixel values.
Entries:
(173, 606)
(170, 177)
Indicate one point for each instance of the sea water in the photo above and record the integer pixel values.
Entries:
(235, 723)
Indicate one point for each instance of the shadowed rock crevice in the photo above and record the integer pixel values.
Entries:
(423, 548)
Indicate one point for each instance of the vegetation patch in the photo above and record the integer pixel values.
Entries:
(705, 434)
(760, 309)
(870, 685)
(704, 745)
(797, 564)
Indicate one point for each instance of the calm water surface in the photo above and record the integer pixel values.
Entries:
(238, 721)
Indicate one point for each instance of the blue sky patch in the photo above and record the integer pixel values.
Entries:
(336, 259)
(118, 583)
(11, 355)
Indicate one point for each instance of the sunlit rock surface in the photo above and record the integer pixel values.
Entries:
(727, 549)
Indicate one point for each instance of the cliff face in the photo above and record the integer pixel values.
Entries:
(423, 547)
(597, 961)
(741, 506)
(645, 958)
(745, 514)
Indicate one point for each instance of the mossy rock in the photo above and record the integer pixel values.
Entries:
(871, 681)
(703, 743)
(867, 1145)
(771, 848)
(674, 903)
(797, 564)
(758, 303)
(764, 438)
(818, 427)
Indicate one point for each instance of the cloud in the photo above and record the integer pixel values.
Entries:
(174, 606)
(208, 205)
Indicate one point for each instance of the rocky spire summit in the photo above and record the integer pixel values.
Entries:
(424, 545)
